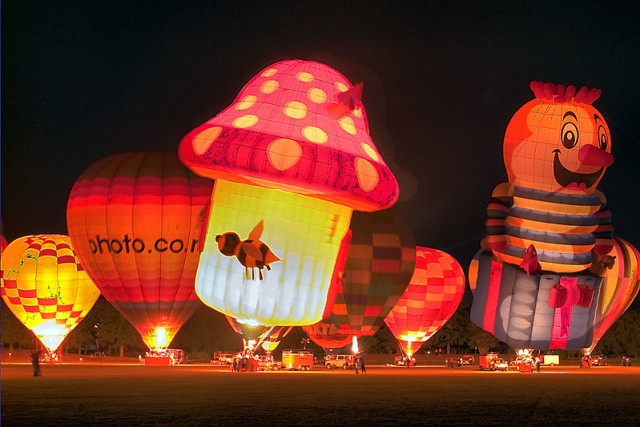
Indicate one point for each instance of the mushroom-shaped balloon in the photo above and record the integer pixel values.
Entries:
(45, 287)
(292, 157)
(433, 295)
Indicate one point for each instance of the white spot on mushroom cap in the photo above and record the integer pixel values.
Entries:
(269, 72)
(346, 123)
(269, 86)
(317, 95)
(315, 134)
(370, 151)
(202, 141)
(367, 174)
(295, 110)
(245, 121)
(246, 102)
(341, 86)
(304, 76)
(283, 153)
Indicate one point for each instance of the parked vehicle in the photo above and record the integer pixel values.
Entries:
(550, 360)
(402, 361)
(599, 360)
(466, 360)
(267, 363)
(223, 358)
(344, 361)
(499, 364)
(486, 361)
(297, 360)
(168, 356)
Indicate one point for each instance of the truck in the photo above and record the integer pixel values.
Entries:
(487, 361)
(166, 357)
(550, 360)
(297, 360)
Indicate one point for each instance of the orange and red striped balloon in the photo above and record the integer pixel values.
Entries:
(433, 295)
(134, 219)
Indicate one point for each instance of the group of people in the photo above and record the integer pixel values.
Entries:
(358, 363)
(242, 363)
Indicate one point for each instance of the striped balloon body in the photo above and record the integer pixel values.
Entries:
(45, 287)
(327, 335)
(134, 219)
(556, 150)
(619, 288)
(379, 264)
(433, 295)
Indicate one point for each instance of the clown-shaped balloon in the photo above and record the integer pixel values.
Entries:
(545, 274)
(556, 150)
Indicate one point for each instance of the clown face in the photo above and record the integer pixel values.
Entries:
(557, 147)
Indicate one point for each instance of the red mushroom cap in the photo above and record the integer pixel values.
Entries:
(282, 131)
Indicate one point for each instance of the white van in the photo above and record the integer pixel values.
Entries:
(344, 361)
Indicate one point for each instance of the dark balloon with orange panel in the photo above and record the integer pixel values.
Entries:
(380, 261)
(134, 219)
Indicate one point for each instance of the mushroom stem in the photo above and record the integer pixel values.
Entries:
(302, 237)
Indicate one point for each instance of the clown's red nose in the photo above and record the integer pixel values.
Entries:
(591, 155)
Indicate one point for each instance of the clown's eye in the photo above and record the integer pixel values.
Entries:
(569, 135)
(603, 139)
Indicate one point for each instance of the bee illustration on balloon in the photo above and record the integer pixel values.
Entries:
(251, 253)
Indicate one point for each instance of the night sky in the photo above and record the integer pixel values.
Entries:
(85, 80)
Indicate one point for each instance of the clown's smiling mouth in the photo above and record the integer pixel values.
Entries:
(573, 180)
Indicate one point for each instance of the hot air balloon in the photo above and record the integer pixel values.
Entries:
(548, 228)
(271, 340)
(327, 335)
(292, 158)
(432, 296)
(619, 288)
(45, 287)
(380, 261)
(134, 219)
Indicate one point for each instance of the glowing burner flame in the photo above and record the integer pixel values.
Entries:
(354, 345)
(51, 334)
(161, 337)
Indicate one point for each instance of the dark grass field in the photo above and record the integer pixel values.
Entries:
(137, 395)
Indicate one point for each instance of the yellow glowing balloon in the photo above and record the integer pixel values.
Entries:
(45, 287)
